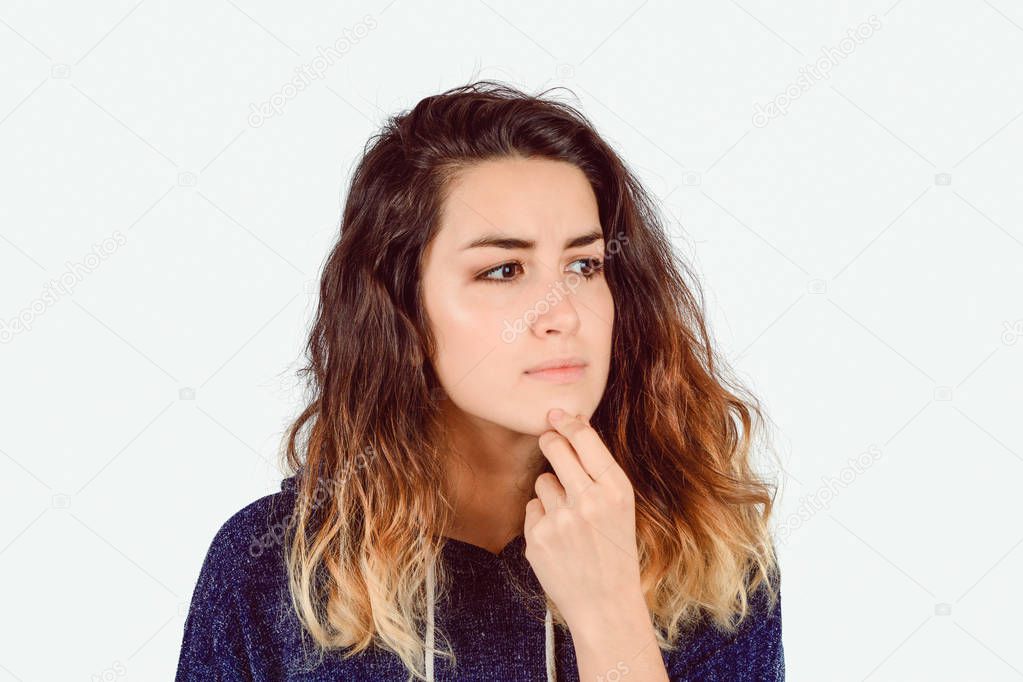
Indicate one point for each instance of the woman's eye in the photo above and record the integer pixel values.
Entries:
(591, 266)
(503, 269)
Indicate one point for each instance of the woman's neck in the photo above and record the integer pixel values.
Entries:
(490, 476)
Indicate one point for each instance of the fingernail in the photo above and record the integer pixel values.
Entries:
(557, 414)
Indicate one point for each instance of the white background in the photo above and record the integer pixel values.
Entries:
(862, 257)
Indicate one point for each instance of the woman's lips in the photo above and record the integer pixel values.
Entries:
(560, 375)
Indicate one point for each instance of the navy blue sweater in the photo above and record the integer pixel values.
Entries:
(241, 625)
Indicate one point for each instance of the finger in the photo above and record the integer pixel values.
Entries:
(594, 457)
(550, 492)
(534, 513)
(565, 462)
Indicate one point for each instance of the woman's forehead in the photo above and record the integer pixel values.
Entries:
(492, 205)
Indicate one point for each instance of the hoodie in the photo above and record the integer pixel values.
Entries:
(241, 625)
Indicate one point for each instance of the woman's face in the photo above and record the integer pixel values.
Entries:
(497, 310)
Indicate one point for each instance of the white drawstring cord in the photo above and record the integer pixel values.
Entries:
(429, 622)
(548, 628)
(548, 631)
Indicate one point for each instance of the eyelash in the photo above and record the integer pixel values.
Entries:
(596, 268)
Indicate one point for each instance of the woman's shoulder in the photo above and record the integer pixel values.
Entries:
(252, 534)
(754, 651)
(239, 594)
(247, 549)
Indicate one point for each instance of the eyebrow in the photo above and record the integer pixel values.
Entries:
(502, 241)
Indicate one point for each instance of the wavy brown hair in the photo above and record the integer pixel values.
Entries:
(368, 449)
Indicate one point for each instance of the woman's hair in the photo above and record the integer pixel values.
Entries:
(370, 512)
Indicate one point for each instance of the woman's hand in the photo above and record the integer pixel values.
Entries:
(581, 529)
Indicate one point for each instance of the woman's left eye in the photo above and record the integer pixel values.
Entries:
(594, 266)
(591, 267)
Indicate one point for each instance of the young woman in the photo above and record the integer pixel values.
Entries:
(521, 458)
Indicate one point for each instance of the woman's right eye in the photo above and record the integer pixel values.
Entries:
(502, 268)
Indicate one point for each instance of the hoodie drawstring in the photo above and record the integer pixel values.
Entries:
(548, 631)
